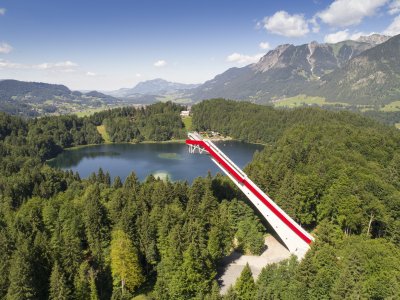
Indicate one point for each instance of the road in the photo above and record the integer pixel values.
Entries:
(233, 264)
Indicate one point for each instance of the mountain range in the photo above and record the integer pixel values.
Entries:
(365, 71)
(153, 87)
(336, 72)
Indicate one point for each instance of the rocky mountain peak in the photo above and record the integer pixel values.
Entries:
(272, 59)
(374, 39)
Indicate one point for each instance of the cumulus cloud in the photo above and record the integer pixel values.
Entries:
(394, 7)
(67, 65)
(343, 13)
(394, 27)
(337, 36)
(244, 59)
(5, 48)
(264, 45)
(2, 11)
(314, 24)
(343, 35)
(90, 74)
(138, 75)
(160, 63)
(287, 25)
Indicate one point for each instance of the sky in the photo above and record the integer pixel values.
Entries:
(107, 45)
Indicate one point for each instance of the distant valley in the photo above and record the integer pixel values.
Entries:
(36, 98)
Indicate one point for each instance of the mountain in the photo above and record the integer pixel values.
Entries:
(286, 71)
(372, 77)
(153, 87)
(375, 38)
(36, 98)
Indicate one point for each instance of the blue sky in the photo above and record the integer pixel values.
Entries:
(105, 45)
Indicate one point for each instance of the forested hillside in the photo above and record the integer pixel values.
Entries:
(63, 237)
(338, 170)
(156, 122)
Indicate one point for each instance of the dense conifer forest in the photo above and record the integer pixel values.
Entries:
(64, 237)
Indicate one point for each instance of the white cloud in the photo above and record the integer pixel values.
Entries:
(394, 7)
(315, 25)
(63, 66)
(357, 34)
(287, 25)
(5, 64)
(394, 27)
(5, 48)
(343, 13)
(343, 35)
(264, 45)
(90, 73)
(244, 59)
(337, 36)
(138, 75)
(67, 65)
(160, 63)
(2, 11)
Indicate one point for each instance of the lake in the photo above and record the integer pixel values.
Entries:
(160, 159)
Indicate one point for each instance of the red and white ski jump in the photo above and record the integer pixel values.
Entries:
(296, 239)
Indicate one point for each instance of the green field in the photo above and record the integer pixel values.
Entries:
(102, 130)
(394, 106)
(397, 125)
(91, 111)
(187, 121)
(302, 100)
(176, 98)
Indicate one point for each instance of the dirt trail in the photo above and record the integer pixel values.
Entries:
(233, 264)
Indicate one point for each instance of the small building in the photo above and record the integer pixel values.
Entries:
(185, 113)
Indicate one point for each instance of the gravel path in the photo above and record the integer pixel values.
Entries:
(233, 264)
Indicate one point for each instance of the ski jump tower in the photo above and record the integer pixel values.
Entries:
(296, 239)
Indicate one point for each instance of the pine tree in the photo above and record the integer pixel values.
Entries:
(245, 287)
(100, 176)
(21, 275)
(93, 289)
(125, 267)
(214, 294)
(117, 183)
(231, 294)
(107, 179)
(96, 223)
(132, 183)
(81, 282)
(59, 289)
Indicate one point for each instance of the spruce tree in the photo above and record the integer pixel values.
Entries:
(125, 267)
(117, 182)
(245, 287)
(214, 294)
(96, 223)
(59, 289)
(21, 275)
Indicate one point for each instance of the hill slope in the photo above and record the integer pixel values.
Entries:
(35, 98)
(372, 77)
(285, 71)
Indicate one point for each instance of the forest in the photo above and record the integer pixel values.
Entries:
(156, 122)
(64, 237)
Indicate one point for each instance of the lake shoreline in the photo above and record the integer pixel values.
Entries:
(170, 158)
(178, 141)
